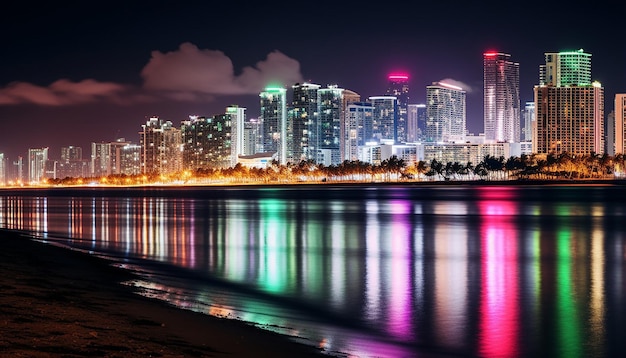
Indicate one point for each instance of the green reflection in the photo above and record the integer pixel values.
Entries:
(569, 339)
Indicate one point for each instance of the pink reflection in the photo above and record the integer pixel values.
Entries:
(400, 241)
(497, 201)
(499, 312)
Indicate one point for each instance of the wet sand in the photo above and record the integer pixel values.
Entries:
(56, 302)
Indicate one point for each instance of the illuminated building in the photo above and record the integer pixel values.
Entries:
(252, 129)
(332, 102)
(161, 146)
(501, 98)
(129, 159)
(398, 86)
(207, 142)
(384, 118)
(37, 162)
(358, 129)
(101, 159)
(445, 113)
(3, 169)
(565, 69)
(620, 123)
(17, 172)
(301, 140)
(237, 120)
(529, 118)
(569, 108)
(416, 122)
(72, 164)
(274, 119)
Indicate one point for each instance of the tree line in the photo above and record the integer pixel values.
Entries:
(561, 166)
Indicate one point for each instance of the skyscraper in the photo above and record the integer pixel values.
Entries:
(566, 68)
(416, 122)
(37, 162)
(330, 104)
(384, 118)
(207, 142)
(398, 86)
(358, 129)
(569, 107)
(161, 144)
(620, 123)
(237, 119)
(301, 133)
(501, 98)
(445, 112)
(274, 119)
(529, 118)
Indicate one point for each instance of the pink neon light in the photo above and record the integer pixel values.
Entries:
(398, 77)
(491, 53)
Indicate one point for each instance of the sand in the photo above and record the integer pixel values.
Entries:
(57, 302)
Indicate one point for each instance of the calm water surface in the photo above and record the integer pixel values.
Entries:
(383, 271)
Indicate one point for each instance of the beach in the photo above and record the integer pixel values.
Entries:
(57, 302)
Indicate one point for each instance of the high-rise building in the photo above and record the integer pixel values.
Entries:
(37, 162)
(445, 112)
(620, 123)
(252, 137)
(3, 169)
(207, 142)
(566, 68)
(416, 122)
(101, 159)
(384, 119)
(501, 97)
(529, 118)
(358, 129)
(72, 164)
(331, 106)
(398, 86)
(301, 139)
(274, 119)
(161, 145)
(129, 159)
(237, 120)
(71, 153)
(569, 107)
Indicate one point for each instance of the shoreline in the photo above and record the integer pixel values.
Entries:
(317, 185)
(60, 302)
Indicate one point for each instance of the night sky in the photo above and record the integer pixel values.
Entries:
(76, 72)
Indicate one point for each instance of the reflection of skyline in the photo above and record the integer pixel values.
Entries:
(388, 264)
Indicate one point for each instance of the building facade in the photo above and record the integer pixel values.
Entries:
(569, 108)
(274, 119)
(398, 86)
(37, 164)
(161, 147)
(501, 98)
(416, 122)
(445, 113)
(358, 129)
(620, 123)
(301, 132)
(207, 142)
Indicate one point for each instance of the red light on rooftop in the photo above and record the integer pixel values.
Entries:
(490, 54)
(398, 77)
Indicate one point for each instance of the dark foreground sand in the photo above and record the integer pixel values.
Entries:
(56, 302)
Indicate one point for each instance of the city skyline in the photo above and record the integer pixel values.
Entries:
(71, 77)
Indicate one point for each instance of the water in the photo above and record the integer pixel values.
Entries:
(380, 271)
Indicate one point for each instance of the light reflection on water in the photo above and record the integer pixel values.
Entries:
(385, 271)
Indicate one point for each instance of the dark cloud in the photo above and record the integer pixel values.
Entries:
(59, 93)
(190, 71)
(187, 74)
